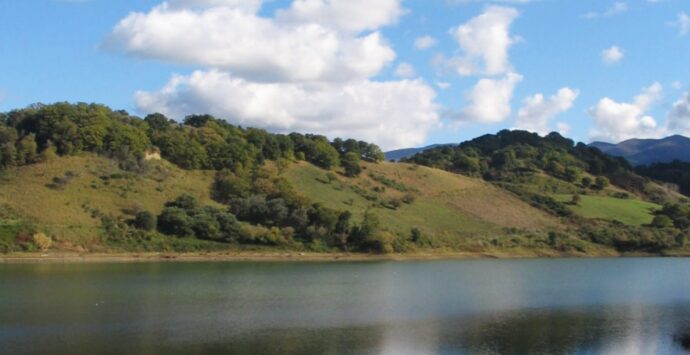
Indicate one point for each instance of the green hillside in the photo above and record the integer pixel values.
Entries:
(83, 177)
(628, 211)
(445, 204)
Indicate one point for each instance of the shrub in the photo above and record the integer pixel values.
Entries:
(42, 241)
(145, 220)
(662, 221)
(175, 221)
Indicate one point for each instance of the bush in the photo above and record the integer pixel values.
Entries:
(145, 220)
(601, 183)
(662, 221)
(42, 241)
(175, 221)
(350, 162)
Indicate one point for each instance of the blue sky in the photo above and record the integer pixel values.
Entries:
(121, 53)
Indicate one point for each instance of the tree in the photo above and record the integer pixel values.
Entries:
(175, 221)
(350, 162)
(145, 220)
(8, 155)
(157, 122)
(662, 221)
(185, 202)
(601, 183)
(586, 182)
(324, 155)
(205, 226)
(27, 150)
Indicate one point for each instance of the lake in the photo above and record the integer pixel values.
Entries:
(614, 306)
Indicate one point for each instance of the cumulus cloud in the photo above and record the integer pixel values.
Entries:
(489, 100)
(309, 68)
(443, 85)
(230, 38)
(462, 2)
(678, 119)
(617, 121)
(616, 8)
(424, 42)
(682, 23)
(484, 41)
(537, 111)
(393, 114)
(349, 15)
(405, 70)
(612, 55)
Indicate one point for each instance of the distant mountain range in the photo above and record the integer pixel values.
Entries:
(647, 151)
(398, 154)
(636, 151)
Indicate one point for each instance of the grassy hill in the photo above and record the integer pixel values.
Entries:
(81, 177)
(632, 212)
(445, 204)
(91, 187)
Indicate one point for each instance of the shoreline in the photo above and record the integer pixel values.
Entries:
(72, 258)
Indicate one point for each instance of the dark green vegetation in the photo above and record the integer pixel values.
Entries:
(676, 172)
(601, 196)
(86, 178)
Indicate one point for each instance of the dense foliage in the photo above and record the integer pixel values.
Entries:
(509, 153)
(676, 172)
(199, 142)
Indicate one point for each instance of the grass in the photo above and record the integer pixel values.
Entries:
(71, 213)
(628, 211)
(446, 205)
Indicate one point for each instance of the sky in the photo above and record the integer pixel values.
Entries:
(400, 73)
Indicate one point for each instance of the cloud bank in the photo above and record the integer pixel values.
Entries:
(308, 68)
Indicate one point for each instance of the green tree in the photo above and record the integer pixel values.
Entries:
(27, 150)
(586, 182)
(324, 155)
(175, 221)
(350, 162)
(662, 221)
(145, 220)
(601, 183)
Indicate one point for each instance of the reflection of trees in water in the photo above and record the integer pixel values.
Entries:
(683, 339)
(525, 332)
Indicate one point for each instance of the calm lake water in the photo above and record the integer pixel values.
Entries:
(616, 306)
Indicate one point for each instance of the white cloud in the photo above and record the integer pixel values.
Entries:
(618, 121)
(612, 55)
(563, 128)
(250, 46)
(349, 15)
(424, 42)
(443, 85)
(682, 23)
(310, 68)
(393, 114)
(405, 70)
(484, 41)
(677, 85)
(250, 6)
(489, 100)
(463, 2)
(617, 8)
(678, 119)
(537, 111)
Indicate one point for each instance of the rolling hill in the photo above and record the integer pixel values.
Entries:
(398, 154)
(648, 151)
(82, 177)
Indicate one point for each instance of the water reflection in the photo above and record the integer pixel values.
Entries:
(628, 330)
(615, 306)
